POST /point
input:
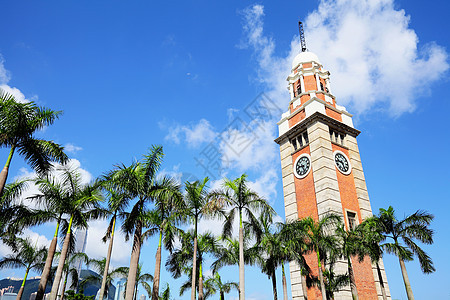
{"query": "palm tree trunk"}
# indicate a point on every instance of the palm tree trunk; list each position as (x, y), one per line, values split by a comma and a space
(22, 287)
(194, 262)
(352, 279)
(241, 260)
(274, 285)
(200, 283)
(108, 258)
(48, 265)
(380, 277)
(285, 295)
(155, 291)
(409, 291)
(322, 283)
(134, 261)
(4, 172)
(64, 286)
(62, 259)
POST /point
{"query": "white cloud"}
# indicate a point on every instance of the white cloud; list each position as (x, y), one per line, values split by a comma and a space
(4, 74)
(24, 173)
(192, 134)
(18, 95)
(71, 148)
(372, 54)
(272, 70)
(95, 248)
(175, 173)
(249, 146)
(5, 77)
(264, 186)
(36, 240)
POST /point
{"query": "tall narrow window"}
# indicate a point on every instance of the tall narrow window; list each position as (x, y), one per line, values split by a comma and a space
(321, 87)
(300, 141)
(305, 137)
(294, 143)
(351, 217)
(299, 88)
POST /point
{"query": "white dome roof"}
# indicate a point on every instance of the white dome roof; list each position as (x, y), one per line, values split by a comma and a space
(304, 57)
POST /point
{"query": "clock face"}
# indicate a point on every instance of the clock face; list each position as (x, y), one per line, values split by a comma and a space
(342, 162)
(302, 166)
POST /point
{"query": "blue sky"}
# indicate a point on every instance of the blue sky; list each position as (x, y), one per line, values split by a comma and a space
(131, 74)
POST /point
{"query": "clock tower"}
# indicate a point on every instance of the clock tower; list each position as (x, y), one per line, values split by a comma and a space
(322, 171)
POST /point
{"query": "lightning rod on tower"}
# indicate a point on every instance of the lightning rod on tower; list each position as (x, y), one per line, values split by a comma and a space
(302, 36)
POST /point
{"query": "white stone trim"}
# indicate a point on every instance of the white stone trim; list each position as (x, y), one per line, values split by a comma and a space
(348, 160)
(313, 106)
(295, 164)
(347, 120)
(283, 127)
(317, 82)
(296, 103)
(302, 84)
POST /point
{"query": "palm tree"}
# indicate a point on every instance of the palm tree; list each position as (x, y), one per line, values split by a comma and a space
(334, 282)
(25, 256)
(321, 242)
(99, 265)
(195, 203)
(165, 294)
(140, 181)
(238, 198)
(118, 200)
(294, 248)
(349, 244)
(369, 245)
(69, 270)
(163, 221)
(228, 253)
(214, 284)
(80, 207)
(52, 198)
(413, 227)
(181, 260)
(269, 251)
(141, 279)
(13, 216)
(18, 123)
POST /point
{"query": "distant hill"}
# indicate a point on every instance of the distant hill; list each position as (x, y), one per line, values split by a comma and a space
(31, 286)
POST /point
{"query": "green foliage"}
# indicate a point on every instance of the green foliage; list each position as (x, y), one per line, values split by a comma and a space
(25, 255)
(71, 295)
(18, 124)
(14, 215)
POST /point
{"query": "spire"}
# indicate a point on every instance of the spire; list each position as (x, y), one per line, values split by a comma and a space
(302, 36)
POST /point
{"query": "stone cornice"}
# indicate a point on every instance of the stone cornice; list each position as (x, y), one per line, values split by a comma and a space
(315, 92)
(317, 116)
(308, 71)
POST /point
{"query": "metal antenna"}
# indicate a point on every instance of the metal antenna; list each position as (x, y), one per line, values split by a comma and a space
(302, 36)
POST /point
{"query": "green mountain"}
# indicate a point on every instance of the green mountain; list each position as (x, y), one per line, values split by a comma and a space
(31, 286)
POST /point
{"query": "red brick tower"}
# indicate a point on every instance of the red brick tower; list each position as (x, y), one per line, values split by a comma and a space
(321, 169)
